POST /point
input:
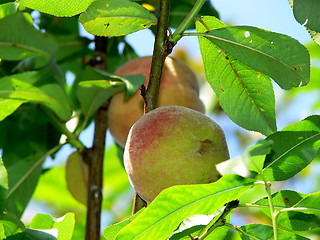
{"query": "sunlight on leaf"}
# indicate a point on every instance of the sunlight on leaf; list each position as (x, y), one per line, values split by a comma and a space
(60, 8)
(175, 204)
(63, 226)
(245, 95)
(279, 56)
(294, 148)
(3, 186)
(8, 9)
(116, 18)
(20, 87)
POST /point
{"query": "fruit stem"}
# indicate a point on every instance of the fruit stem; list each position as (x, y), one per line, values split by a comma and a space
(160, 52)
(177, 35)
(138, 204)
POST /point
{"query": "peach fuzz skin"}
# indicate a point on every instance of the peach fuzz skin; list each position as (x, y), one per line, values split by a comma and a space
(179, 86)
(173, 145)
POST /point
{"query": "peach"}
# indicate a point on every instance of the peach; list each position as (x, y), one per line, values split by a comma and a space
(77, 177)
(173, 145)
(179, 86)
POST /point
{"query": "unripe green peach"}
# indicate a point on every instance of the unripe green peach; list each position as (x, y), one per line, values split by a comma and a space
(173, 145)
(179, 86)
(77, 177)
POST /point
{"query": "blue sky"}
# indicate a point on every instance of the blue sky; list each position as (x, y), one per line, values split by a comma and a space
(272, 15)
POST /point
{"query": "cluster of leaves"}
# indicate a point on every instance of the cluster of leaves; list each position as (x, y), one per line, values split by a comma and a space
(279, 157)
(36, 103)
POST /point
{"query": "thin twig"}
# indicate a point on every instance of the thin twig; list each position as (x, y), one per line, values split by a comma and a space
(221, 221)
(241, 231)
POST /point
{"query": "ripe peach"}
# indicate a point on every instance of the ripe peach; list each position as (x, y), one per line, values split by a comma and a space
(179, 86)
(173, 145)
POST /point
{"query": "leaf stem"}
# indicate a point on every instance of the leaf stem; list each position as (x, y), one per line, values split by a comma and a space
(176, 36)
(32, 168)
(273, 212)
(71, 138)
(240, 230)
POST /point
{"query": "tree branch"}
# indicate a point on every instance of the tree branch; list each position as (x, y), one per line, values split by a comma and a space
(95, 155)
(161, 50)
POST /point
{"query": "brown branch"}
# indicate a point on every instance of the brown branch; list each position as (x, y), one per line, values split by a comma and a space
(162, 48)
(95, 155)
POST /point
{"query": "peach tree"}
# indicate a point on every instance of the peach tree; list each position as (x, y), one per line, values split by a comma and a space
(58, 61)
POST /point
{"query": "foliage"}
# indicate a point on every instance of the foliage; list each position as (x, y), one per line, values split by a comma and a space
(43, 113)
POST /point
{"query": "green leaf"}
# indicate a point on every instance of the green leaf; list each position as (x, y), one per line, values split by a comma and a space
(23, 178)
(3, 186)
(20, 40)
(312, 203)
(132, 82)
(20, 88)
(217, 234)
(33, 234)
(279, 56)
(91, 98)
(8, 9)
(59, 8)
(99, 86)
(7, 229)
(307, 14)
(8, 106)
(111, 232)
(245, 95)
(293, 149)
(249, 164)
(116, 18)
(25, 137)
(292, 220)
(64, 225)
(175, 204)
(315, 36)
(10, 225)
(263, 232)
(97, 83)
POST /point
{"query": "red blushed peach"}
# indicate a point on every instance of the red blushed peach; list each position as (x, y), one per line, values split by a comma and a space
(173, 145)
(179, 86)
